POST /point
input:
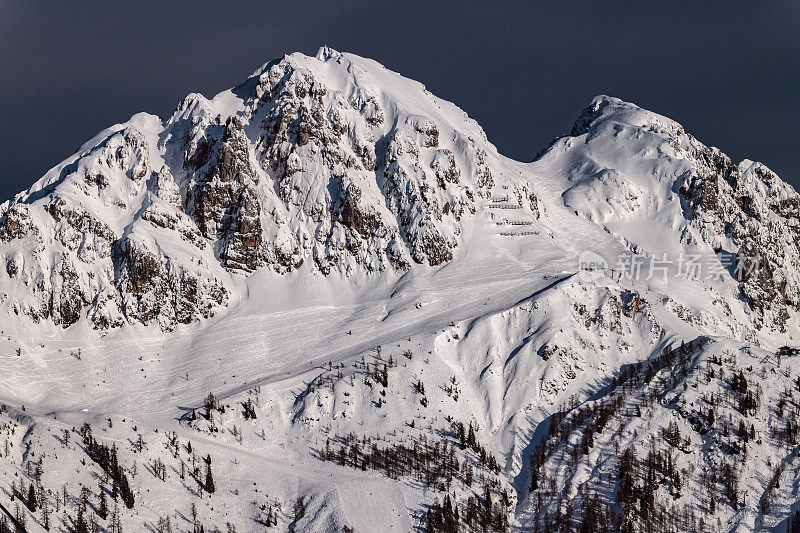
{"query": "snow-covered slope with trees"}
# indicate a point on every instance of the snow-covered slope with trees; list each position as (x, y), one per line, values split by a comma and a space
(323, 301)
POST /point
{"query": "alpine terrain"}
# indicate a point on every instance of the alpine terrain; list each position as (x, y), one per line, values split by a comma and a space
(323, 301)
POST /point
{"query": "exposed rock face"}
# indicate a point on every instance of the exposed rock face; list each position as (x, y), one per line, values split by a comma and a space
(223, 200)
(69, 244)
(15, 223)
(357, 216)
(154, 289)
(335, 164)
(741, 211)
(166, 188)
(751, 207)
(330, 162)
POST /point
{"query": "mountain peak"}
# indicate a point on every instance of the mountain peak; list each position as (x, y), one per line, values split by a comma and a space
(324, 53)
(603, 109)
(345, 168)
(329, 166)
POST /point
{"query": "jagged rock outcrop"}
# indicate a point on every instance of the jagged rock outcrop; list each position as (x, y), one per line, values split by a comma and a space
(743, 212)
(223, 200)
(153, 288)
(751, 206)
(331, 162)
(335, 164)
(69, 243)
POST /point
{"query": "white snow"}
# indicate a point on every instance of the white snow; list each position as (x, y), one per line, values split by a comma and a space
(509, 316)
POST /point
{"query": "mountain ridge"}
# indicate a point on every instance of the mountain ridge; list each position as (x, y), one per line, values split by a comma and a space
(380, 213)
(241, 242)
(331, 280)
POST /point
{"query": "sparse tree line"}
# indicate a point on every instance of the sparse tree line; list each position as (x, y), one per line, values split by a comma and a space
(435, 463)
(479, 513)
(723, 416)
(571, 434)
(107, 459)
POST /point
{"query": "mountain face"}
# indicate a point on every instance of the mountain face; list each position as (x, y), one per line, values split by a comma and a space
(744, 209)
(330, 281)
(308, 161)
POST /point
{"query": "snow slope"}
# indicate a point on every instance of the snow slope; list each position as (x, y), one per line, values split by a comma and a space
(346, 263)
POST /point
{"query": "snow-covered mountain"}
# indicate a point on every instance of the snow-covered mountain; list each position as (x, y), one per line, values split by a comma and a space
(328, 287)
(331, 161)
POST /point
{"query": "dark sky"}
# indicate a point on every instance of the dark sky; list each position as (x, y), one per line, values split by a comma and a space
(728, 71)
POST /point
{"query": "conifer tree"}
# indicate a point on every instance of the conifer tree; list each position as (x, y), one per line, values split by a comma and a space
(102, 508)
(486, 517)
(794, 523)
(19, 516)
(471, 441)
(31, 501)
(80, 524)
(115, 525)
(45, 509)
(210, 488)
(125, 491)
